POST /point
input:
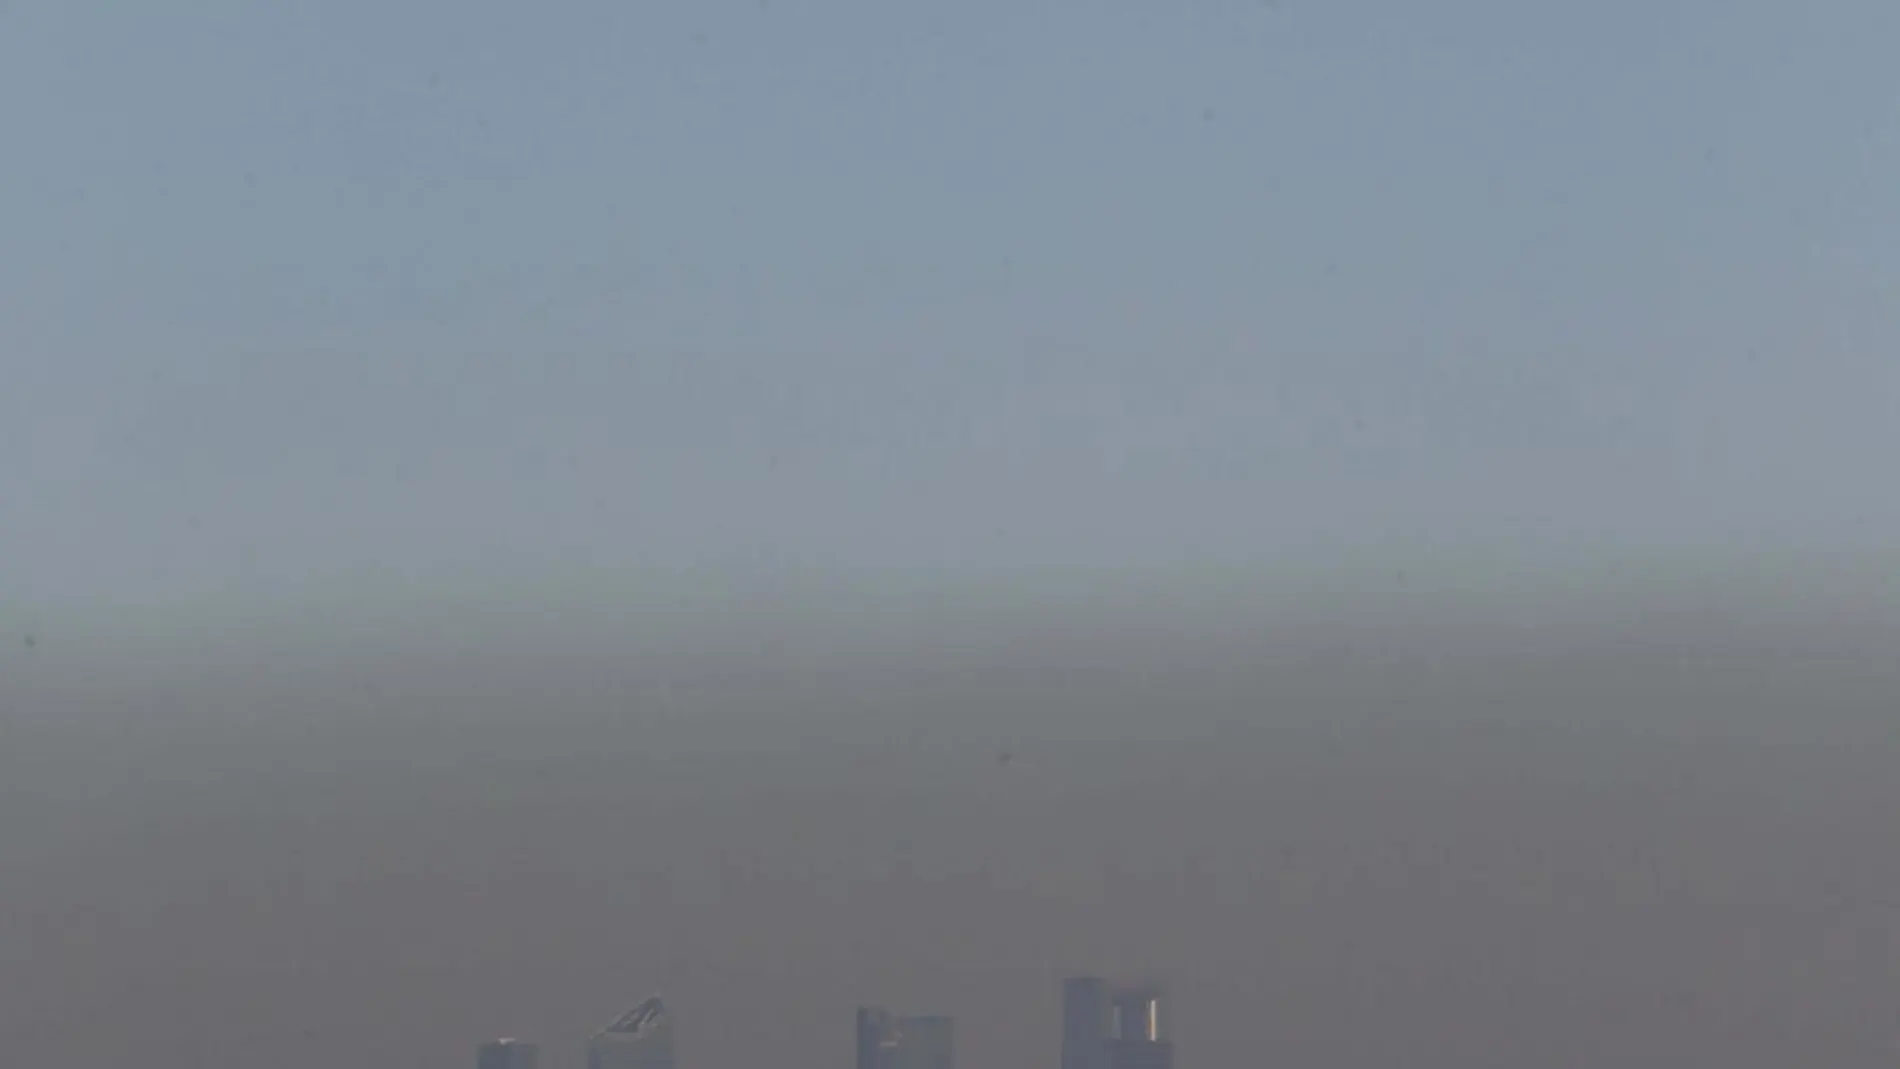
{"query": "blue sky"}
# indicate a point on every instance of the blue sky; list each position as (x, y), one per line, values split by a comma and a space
(300, 294)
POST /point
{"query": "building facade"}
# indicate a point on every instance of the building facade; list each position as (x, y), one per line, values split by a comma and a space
(1110, 1026)
(507, 1054)
(888, 1041)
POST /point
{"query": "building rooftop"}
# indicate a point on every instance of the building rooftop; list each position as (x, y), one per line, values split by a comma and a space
(639, 1019)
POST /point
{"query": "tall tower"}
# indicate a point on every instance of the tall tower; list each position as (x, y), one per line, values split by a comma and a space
(873, 1026)
(929, 1042)
(506, 1054)
(891, 1042)
(1087, 1023)
(641, 1038)
(1105, 1026)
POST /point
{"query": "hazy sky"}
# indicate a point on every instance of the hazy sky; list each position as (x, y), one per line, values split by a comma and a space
(297, 293)
(522, 504)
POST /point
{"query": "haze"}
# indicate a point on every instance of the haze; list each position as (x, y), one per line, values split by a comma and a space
(1374, 512)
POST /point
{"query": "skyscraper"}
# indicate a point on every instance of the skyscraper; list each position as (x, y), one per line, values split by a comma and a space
(1110, 1027)
(890, 1042)
(506, 1054)
(1086, 1023)
(641, 1038)
(877, 1041)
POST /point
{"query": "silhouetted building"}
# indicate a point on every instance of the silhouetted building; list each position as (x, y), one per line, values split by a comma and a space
(1110, 1027)
(506, 1054)
(877, 1039)
(641, 1038)
(891, 1042)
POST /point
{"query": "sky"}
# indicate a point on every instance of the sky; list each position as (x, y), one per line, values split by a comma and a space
(305, 293)
(510, 506)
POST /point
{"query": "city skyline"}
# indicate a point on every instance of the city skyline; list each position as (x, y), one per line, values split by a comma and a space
(1129, 1023)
